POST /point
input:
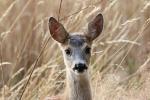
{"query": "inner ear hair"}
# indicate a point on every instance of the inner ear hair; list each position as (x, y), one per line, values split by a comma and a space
(95, 27)
(57, 30)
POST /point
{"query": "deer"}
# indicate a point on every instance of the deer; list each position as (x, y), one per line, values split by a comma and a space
(76, 50)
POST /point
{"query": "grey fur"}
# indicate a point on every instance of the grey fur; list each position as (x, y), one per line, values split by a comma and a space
(78, 84)
(76, 40)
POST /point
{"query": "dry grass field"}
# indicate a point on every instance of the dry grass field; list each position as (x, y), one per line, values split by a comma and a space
(120, 64)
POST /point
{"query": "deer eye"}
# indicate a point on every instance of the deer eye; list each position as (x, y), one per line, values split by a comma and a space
(87, 50)
(68, 51)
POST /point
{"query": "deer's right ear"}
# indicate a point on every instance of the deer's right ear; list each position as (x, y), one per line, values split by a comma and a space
(57, 30)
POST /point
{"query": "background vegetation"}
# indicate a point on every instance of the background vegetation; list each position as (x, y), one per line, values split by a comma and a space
(121, 55)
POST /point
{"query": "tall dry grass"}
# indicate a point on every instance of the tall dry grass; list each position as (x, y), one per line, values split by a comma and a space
(121, 55)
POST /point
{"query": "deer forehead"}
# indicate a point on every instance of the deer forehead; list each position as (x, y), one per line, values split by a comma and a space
(77, 41)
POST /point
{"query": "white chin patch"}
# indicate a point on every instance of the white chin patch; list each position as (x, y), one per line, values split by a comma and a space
(80, 73)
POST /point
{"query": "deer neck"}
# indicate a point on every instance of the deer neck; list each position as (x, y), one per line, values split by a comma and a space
(78, 87)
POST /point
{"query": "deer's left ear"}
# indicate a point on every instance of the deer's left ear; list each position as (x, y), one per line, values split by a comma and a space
(95, 27)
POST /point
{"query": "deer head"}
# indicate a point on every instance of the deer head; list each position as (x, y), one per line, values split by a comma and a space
(76, 48)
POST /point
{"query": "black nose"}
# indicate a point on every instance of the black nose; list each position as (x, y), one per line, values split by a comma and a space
(80, 67)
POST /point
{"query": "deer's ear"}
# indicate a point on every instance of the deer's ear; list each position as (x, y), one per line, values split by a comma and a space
(57, 30)
(95, 27)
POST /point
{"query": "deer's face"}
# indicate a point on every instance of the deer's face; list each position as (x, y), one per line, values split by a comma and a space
(76, 48)
(77, 52)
